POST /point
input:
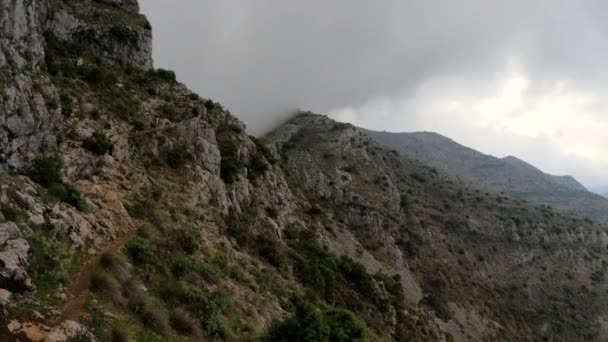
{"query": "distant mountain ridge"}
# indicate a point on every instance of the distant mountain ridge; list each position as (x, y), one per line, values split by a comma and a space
(510, 175)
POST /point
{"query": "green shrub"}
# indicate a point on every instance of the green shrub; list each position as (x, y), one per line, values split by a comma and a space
(123, 34)
(51, 260)
(46, 170)
(99, 76)
(69, 194)
(210, 313)
(257, 166)
(177, 156)
(344, 326)
(66, 104)
(153, 315)
(181, 266)
(141, 251)
(190, 240)
(269, 248)
(183, 293)
(117, 265)
(98, 143)
(163, 74)
(209, 105)
(120, 334)
(215, 328)
(147, 231)
(311, 323)
(105, 284)
(181, 321)
(263, 149)
(272, 212)
(230, 164)
(143, 208)
(208, 272)
(11, 213)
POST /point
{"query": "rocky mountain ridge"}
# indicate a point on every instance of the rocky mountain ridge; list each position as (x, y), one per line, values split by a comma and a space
(115, 228)
(510, 175)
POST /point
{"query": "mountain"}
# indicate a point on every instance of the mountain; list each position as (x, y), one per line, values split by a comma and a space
(508, 175)
(116, 226)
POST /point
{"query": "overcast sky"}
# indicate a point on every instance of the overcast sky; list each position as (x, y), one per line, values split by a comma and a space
(518, 77)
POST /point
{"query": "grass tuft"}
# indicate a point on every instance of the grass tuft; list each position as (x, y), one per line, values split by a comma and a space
(182, 322)
(117, 265)
(105, 284)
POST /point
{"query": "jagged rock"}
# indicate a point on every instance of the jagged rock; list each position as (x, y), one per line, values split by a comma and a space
(68, 331)
(5, 297)
(28, 332)
(14, 254)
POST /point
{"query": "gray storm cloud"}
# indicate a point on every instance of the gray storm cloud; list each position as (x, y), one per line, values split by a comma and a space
(262, 58)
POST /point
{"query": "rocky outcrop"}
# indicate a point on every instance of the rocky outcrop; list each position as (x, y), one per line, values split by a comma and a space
(67, 331)
(27, 121)
(127, 43)
(14, 254)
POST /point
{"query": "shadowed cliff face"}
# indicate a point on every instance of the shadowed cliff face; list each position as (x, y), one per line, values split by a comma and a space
(151, 214)
(510, 175)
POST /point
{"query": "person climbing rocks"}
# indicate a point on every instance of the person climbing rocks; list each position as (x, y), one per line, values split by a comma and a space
(157, 121)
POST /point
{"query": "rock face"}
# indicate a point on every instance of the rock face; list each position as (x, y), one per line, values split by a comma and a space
(130, 45)
(510, 175)
(30, 106)
(26, 121)
(14, 254)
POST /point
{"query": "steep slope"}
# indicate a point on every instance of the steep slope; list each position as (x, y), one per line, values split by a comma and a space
(510, 175)
(490, 267)
(191, 230)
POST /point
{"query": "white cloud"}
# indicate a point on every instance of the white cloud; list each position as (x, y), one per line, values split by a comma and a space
(553, 125)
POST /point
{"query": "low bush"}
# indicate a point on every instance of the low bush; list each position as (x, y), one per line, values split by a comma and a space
(184, 293)
(143, 208)
(230, 164)
(177, 156)
(190, 240)
(181, 266)
(152, 314)
(269, 248)
(120, 334)
(141, 251)
(311, 323)
(106, 285)
(66, 104)
(51, 260)
(98, 143)
(123, 34)
(46, 171)
(163, 74)
(69, 194)
(272, 212)
(117, 265)
(181, 321)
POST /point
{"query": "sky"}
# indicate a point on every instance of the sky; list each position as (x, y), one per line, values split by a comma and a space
(519, 77)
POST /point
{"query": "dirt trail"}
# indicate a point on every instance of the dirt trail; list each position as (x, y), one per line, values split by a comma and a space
(79, 289)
